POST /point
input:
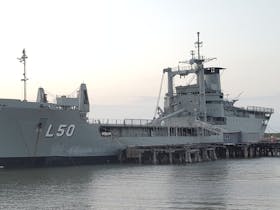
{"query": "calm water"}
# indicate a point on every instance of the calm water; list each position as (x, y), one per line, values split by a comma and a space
(223, 184)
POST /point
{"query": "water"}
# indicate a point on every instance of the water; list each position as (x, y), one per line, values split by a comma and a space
(223, 184)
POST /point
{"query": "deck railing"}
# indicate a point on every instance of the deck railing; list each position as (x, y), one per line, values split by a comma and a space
(121, 122)
(260, 109)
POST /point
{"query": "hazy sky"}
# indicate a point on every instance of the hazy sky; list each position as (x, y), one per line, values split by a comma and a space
(119, 48)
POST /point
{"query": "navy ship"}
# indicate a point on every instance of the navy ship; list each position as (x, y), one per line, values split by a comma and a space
(41, 133)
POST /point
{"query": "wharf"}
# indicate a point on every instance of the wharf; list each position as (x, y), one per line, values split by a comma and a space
(191, 153)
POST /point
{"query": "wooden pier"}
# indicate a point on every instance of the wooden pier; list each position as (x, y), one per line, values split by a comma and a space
(192, 153)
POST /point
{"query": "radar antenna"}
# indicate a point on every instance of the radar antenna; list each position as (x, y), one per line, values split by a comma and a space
(22, 59)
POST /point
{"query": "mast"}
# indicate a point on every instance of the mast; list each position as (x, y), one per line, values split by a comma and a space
(198, 44)
(22, 59)
(200, 69)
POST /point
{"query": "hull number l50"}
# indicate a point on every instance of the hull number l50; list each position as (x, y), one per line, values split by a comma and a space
(62, 130)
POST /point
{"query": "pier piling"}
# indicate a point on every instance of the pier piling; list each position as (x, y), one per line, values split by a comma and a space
(245, 149)
(205, 154)
(191, 153)
(251, 152)
(170, 157)
(188, 157)
(227, 153)
(140, 158)
(154, 157)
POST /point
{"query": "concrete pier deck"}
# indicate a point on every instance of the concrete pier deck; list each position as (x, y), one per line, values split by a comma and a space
(191, 153)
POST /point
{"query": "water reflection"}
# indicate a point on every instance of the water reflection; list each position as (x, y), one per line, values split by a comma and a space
(199, 185)
(237, 184)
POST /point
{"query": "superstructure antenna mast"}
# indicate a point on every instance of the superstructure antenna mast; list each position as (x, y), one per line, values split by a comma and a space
(201, 80)
(192, 54)
(22, 59)
(198, 45)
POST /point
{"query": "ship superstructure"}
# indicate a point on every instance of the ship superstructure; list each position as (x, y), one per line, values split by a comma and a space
(43, 133)
(203, 102)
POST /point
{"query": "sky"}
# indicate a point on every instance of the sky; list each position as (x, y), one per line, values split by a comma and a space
(119, 48)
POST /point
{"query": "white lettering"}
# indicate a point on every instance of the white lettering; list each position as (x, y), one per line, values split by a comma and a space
(48, 134)
(62, 130)
(70, 130)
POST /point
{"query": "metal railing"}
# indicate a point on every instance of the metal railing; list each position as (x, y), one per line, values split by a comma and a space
(260, 109)
(136, 122)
